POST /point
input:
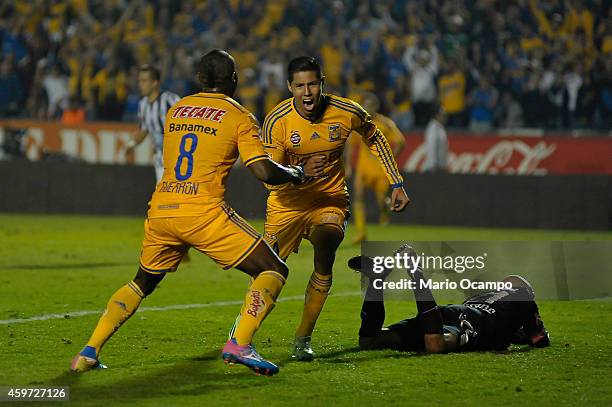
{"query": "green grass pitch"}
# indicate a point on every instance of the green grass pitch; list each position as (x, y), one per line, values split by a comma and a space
(63, 264)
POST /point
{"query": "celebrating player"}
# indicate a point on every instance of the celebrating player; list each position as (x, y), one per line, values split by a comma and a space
(368, 174)
(152, 110)
(204, 135)
(314, 124)
(489, 321)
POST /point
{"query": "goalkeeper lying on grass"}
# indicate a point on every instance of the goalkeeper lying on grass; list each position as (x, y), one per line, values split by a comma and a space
(489, 321)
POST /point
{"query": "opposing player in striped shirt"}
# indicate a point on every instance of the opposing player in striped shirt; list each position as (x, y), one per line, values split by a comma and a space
(152, 110)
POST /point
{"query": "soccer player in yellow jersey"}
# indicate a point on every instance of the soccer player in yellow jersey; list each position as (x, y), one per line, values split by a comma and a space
(314, 124)
(368, 173)
(205, 133)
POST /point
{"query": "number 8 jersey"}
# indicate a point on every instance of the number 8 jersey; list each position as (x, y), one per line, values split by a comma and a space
(203, 137)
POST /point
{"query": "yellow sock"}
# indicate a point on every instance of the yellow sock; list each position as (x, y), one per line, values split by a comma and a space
(360, 218)
(232, 331)
(119, 308)
(259, 301)
(316, 294)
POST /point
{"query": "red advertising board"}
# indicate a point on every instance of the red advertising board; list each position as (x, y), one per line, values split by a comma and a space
(516, 155)
(492, 154)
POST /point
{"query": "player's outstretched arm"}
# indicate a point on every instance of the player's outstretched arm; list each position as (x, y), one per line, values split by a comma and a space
(380, 148)
(273, 173)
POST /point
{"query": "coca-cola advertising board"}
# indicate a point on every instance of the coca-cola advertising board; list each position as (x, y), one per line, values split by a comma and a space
(515, 155)
(468, 154)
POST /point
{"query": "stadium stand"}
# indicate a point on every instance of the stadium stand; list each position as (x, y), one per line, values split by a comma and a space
(490, 63)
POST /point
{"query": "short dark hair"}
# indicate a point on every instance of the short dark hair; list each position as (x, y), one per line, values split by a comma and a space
(215, 68)
(153, 71)
(303, 64)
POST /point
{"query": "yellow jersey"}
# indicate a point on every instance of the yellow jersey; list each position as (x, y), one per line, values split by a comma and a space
(366, 161)
(203, 137)
(289, 138)
(452, 92)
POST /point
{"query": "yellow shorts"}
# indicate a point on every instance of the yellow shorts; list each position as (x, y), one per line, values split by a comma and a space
(221, 234)
(375, 180)
(284, 229)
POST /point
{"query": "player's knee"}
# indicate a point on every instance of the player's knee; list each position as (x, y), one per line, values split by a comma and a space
(281, 268)
(326, 236)
(263, 258)
(271, 263)
(325, 240)
(147, 281)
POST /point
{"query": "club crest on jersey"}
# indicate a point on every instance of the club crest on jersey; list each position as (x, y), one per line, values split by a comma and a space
(295, 138)
(315, 136)
(334, 132)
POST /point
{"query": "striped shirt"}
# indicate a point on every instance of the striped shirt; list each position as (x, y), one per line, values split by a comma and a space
(152, 116)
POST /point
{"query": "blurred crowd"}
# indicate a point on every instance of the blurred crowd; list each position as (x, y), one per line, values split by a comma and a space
(489, 63)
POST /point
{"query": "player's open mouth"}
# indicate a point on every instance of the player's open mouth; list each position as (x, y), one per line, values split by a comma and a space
(308, 104)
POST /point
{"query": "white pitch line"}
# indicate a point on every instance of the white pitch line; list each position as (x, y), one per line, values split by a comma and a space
(73, 314)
